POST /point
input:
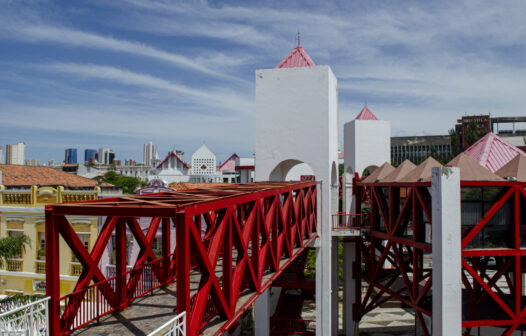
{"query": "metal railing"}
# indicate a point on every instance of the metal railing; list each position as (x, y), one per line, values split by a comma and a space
(174, 327)
(345, 221)
(100, 299)
(28, 320)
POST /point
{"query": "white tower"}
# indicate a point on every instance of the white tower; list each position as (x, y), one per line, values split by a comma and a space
(367, 144)
(297, 134)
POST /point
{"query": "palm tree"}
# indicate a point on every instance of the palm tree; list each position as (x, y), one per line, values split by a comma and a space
(10, 247)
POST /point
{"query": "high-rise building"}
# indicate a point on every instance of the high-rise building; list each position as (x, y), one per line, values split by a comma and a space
(106, 156)
(149, 153)
(71, 155)
(1, 154)
(15, 154)
(32, 162)
(89, 154)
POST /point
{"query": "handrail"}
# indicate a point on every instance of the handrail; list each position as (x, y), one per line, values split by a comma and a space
(174, 322)
(24, 307)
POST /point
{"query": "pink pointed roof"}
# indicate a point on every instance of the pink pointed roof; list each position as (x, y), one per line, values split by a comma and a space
(380, 173)
(515, 168)
(492, 152)
(471, 170)
(421, 173)
(366, 114)
(297, 58)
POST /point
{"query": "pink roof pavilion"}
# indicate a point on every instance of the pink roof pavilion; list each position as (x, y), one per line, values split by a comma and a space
(492, 152)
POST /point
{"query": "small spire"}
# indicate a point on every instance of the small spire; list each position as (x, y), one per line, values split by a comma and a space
(299, 37)
(365, 102)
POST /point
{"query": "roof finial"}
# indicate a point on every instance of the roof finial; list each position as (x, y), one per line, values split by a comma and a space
(365, 103)
(299, 37)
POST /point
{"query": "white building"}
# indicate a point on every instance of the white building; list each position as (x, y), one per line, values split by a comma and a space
(15, 154)
(149, 153)
(105, 155)
(1, 154)
(171, 169)
(204, 166)
(237, 170)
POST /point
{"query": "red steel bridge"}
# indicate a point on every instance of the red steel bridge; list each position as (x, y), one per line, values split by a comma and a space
(231, 243)
(396, 252)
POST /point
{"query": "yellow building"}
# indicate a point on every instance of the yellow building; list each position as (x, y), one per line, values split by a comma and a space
(22, 212)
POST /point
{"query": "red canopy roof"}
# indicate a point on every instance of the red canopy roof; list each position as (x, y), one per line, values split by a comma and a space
(366, 114)
(297, 58)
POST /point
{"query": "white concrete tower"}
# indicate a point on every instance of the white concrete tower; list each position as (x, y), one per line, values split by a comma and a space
(297, 134)
(367, 144)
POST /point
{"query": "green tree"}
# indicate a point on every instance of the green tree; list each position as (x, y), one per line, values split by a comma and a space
(456, 146)
(10, 247)
(474, 133)
(128, 184)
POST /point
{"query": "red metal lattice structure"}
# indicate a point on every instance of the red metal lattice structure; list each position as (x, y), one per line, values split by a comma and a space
(395, 250)
(254, 229)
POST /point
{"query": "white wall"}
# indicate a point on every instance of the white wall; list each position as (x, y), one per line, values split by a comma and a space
(297, 119)
(366, 143)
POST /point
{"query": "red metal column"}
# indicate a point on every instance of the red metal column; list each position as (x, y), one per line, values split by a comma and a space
(166, 250)
(227, 261)
(52, 273)
(120, 242)
(183, 263)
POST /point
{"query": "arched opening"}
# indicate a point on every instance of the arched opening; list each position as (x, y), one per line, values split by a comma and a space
(290, 170)
(369, 170)
(347, 190)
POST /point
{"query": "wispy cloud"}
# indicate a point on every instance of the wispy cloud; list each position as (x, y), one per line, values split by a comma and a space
(210, 97)
(76, 38)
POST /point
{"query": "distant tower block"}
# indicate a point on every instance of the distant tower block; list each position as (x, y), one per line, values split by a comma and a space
(367, 144)
(297, 134)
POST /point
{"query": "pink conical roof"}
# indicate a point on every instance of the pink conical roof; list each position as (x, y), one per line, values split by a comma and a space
(297, 58)
(515, 168)
(422, 172)
(379, 173)
(471, 170)
(492, 152)
(366, 114)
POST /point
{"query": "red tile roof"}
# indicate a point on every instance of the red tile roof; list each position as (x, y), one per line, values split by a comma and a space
(297, 58)
(492, 152)
(19, 175)
(366, 114)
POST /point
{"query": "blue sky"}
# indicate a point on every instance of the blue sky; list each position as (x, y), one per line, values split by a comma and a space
(89, 74)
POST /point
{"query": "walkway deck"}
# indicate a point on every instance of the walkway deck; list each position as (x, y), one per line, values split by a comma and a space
(149, 312)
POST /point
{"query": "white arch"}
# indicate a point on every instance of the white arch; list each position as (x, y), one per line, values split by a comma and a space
(290, 170)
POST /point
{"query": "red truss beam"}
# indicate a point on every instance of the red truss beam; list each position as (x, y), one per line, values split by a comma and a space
(225, 237)
(395, 244)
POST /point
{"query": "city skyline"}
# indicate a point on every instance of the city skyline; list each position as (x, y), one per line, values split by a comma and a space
(101, 74)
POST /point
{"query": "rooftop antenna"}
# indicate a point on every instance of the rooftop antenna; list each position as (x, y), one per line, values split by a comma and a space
(299, 37)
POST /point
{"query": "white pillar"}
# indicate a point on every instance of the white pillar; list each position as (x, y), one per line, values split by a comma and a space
(335, 287)
(447, 286)
(262, 314)
(349, 287)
